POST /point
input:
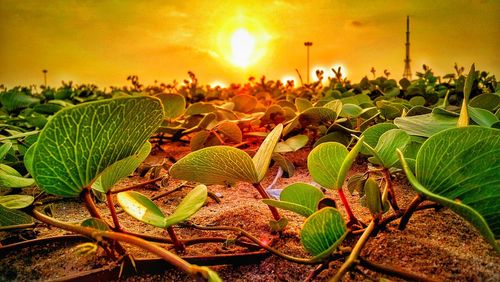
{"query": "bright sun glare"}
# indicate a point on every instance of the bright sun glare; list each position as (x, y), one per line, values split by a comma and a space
(242, 48)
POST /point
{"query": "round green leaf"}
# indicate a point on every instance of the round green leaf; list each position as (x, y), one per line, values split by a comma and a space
(141, 208)
(244, 103)
(417, 101)
(300, 198)
(385, 152)
(460, 168)
(216, 165)
(193, 201)
(336, 136)
(173, 104)
(16, 201)
(230, 130)
(351, 110)
(322, 232)
(488, 102)
(80, 142)
(373, 133)
(302, 104)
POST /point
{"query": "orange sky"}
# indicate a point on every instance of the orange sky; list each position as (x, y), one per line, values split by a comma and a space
(103, 42)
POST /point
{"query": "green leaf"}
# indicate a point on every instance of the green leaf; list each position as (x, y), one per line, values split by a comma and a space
(322, 232)
(4, 149)
(200, 108)
(426, 125)
(417, 101)
(80, 142)
(262, 158)
(95, 223)
(300, 198)
(285, 164)
(173, 104)
(373, 133)
(230, 130)
(373, 197)
(11, 178)
(193, 201)
(292, 144)
(336, 136)
(141, 208)
(122, 168)
(13, 217)
(244, 103)
(482, 117)
(329, 163)
(216, 165)
(463, 120)
(488, 102)
(198, 140)
(278, 225)
(302, 104)
(16, 201)
(459, 168)
(351, 110)
(13, 100)
(391, 140)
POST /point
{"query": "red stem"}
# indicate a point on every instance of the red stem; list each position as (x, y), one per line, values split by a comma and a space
(392, 200)
(350, 214)
(177, 243)
(264, 195)
(112, 210)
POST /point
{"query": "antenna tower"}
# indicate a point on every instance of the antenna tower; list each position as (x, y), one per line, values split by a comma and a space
(407, 71)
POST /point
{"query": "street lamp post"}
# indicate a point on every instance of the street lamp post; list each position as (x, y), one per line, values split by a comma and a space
(45, 77)
(308, 44)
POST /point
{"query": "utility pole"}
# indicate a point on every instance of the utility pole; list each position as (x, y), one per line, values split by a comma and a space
(308, 44)
(407, 71)
(45, 77)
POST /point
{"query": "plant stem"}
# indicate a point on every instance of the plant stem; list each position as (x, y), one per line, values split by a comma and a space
(98, 235)
(410, 210)
(123, 189)
(394, 271)
(112, 210)
(388, 183)
(177, 243)
(355, 252)
(166, 193)
(264, 195)
(350, 214)
(89, 203)
(258, 242)
(18, 226)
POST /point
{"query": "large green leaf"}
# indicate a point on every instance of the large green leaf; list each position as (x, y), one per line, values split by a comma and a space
(329, 162)
(173, 104)
(141, 208)
(16, 201)
(322, 232)
(80, 142)
(373, 133)
(385, 152)
(193, 201)
(11, 178)
(121, 169)
(216, 165)
(13, 217)
(262, 158)
(482, 117)
(460, 168)
(426, 125)
(300, 198)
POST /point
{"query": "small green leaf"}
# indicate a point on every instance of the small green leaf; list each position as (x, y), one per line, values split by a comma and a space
(391, 140)
(351, 110)
(173, 104)
(4, 149)
(292, 144)
(244, 103)
(336, 136)
(278, 225)
(285, 164)
(216, 165)
(141, 208)
(95, 223)
(322, 232)
(300, 198)
(193, 201)
(373, 197)
(230, 130)
(373, 133)
(262, 158)
(302, 104)
(10, 217)
(11, 178)
(200, 108)
(16, 201)
(459, 168)
(198, 140)
(122, 168)
(482, 117)
(490, 102)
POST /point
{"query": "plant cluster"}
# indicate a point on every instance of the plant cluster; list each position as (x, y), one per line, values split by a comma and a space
(78, 142)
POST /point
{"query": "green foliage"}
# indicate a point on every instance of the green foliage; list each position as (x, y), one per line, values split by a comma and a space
(300, 198)
(95, 223)
(384, 153)
(292, 144)
(329, 163)
(174, 105)
(463, 120)
(143, 209)
(459, 168)
(11, 178)
(323, 232)
(16, 201)
(227, 165)
(372, 135)
(10, 217)
(80, 142)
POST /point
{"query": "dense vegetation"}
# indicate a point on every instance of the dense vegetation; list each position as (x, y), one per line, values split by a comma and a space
(443, 133)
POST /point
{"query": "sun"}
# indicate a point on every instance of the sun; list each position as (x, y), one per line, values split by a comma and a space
(242, 48)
